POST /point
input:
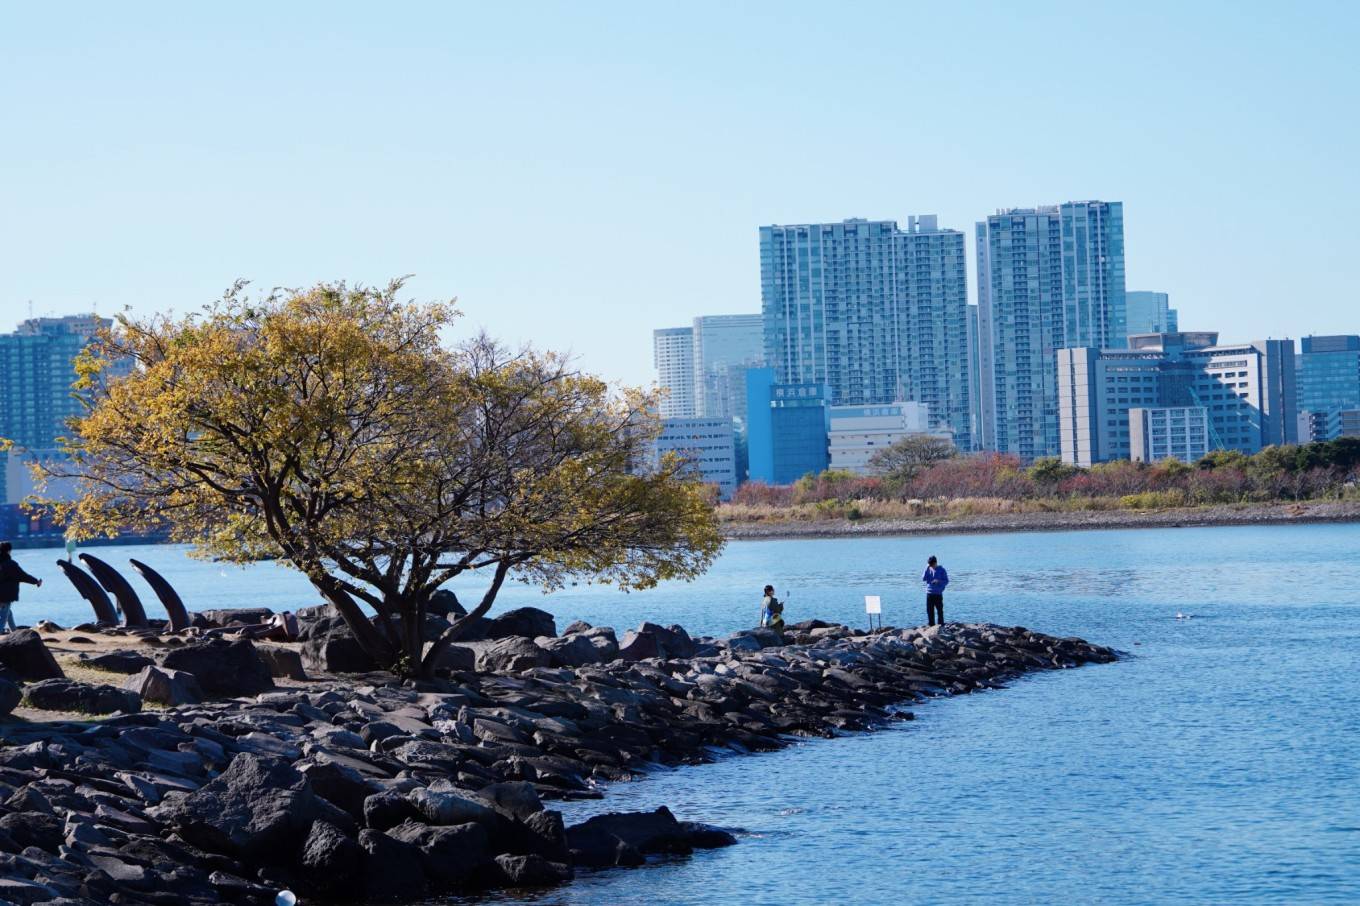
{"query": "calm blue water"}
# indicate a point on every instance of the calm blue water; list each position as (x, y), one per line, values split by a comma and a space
(1217, 764)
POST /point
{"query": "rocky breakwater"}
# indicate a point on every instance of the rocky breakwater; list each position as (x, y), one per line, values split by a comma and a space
(343, 791)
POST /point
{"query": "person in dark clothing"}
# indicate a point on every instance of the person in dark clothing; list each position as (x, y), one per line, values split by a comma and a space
(10, 576)
(936, 578)
(770, 607)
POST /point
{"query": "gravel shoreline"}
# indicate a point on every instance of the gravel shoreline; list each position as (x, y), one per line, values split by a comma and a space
(1247, 514)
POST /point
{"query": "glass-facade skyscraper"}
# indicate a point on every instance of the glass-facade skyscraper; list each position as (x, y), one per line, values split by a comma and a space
(1329, 373)
(1048, 278)
(1147, 312)
(725, 346)
(876, 313)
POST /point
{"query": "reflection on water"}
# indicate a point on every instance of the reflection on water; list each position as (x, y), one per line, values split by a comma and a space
(1218, 764)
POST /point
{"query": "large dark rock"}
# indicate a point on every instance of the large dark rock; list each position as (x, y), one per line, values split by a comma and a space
(10, 696)
(331, 861)
(451, 855)
(387, 809)
(23, 652)
(530, 871)
(651, 640)
(571, 650)
(258, 808)
(282, 662)
(223, 668)
(444, 603)
(528, 622)
(340, 785)
(165, 687)
(329, 646)
(119, 661)
(393, 869)
(511, 655)
(240, 616)
(68, 695)
(607, 839)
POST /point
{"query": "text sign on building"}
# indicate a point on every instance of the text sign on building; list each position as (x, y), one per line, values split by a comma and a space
(873, 604)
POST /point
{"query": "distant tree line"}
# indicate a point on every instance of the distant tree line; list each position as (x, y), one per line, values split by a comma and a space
(925, 469)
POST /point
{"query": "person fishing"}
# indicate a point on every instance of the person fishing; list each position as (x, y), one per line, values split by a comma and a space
(936, 578)
(771, 608)
(11, 575)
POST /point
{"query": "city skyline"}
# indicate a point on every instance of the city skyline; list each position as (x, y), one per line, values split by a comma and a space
(449, 131)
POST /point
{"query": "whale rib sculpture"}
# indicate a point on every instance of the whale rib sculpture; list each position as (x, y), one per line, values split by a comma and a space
(170, 599)
(91, 591)
(134, 615)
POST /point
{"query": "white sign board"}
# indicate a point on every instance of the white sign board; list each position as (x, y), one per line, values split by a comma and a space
(873, 604)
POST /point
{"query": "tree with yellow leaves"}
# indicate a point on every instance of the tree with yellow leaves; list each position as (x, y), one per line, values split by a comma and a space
(331, 429)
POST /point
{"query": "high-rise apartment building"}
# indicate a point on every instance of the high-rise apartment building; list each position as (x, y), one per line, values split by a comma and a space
(37, 368)
(1146, 312)
(1048, 278)
(673, 354)
(1247, 392)
(874, 312)
(725, 346)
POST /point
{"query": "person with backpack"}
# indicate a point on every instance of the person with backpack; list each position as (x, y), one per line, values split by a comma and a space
(936, 579)
(770, 608)
(11, 574)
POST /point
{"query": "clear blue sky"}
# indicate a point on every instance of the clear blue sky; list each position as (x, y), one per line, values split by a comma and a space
(577, 174)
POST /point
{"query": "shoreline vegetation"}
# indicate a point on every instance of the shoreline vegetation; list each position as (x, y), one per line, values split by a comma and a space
(771, 523)
(923, 485)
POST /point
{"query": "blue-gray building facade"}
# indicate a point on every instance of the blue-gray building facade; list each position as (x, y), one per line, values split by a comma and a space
(1048, 278)
(876, 313)
(1149, 312)
(787, 428)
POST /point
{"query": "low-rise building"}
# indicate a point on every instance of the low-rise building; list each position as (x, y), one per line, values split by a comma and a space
(858, 432)
(786, 428)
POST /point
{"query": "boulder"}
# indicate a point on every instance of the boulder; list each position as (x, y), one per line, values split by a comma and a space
(511, 655)
(23, 652)
(257, 808)
(222, 668)
(165, 687)
(393, 869)
(458, 657)
(10, 696)
(449, 808)
(444, 603)
(527, 622)
(651, 640)
(240, 616)
(85, 698)
(387, 809)
(530, 871)
(330, 860)
(451, 855)
(330, 647)
(119, 661)
(638, 646)
(605, 642)
(622, 834)
(570, 650)
(340, 785)
(282, 662)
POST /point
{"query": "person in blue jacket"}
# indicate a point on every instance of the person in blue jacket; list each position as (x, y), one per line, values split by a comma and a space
(936, 578)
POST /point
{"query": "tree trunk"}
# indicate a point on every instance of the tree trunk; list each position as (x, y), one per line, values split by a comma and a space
(463, 624)
(369, 638)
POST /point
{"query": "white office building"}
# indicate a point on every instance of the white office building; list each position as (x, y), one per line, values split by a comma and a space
(1171, 432)
(673, 354)
(858, 432)
(707, 444)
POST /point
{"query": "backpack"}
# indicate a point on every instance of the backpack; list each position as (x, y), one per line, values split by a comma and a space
(776, 606)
